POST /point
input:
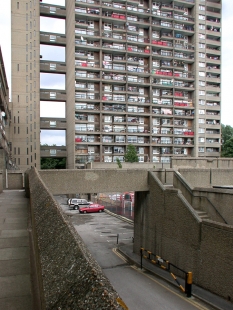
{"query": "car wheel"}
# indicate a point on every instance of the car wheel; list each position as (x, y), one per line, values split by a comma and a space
(84, 211)
(76, 207)
(100, 210)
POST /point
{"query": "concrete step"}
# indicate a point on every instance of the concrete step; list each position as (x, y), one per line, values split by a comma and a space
(202, 214)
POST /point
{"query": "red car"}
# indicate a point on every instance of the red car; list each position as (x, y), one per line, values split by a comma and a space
(95, 207)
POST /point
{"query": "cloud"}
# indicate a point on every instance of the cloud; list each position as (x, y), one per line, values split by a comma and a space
(52, 81)
(55, 53)
(52, 137)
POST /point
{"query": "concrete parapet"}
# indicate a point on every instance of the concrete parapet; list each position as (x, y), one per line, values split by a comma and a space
(167, 225)
(14, 179)
(70, 277)
(95, 181)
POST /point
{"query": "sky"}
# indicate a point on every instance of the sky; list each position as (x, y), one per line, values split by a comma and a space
(59, 53)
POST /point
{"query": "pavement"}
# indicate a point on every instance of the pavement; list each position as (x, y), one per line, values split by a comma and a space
(18, 287)
(209, 298)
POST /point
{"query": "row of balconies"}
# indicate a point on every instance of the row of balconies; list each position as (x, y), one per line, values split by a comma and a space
(111, 89)
(123, 12)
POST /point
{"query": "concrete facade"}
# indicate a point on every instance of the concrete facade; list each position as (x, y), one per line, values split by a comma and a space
(25, 57)
(166, 224)
(95, 181)
(146, 73)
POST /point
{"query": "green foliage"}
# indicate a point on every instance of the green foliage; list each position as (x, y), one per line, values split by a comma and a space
(53, 163)
(131, 154)
(119, 163)
(227, 144)
(227, 151)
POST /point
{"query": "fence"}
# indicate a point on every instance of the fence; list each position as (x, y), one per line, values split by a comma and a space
(166, 265)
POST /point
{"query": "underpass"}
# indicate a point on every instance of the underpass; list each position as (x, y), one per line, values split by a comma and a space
(138, 288)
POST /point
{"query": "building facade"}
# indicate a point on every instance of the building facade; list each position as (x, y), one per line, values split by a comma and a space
(6, 159)
(137, 72)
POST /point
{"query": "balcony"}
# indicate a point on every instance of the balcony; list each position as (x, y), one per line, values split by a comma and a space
(52, 66)
(52, 39)
(87, 64)
(56, 95)
(83, 75)
(52, 11)
(52, 123)
(53, 151)
(90, 44)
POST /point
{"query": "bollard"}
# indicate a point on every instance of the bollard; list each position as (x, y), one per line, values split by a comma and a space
(141, 250)
(188, 284)
(117, 238)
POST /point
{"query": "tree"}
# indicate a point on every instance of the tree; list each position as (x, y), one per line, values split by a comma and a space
(227, 134)
(227, 151)
(53, 163)
(119, 162)
(131, 154)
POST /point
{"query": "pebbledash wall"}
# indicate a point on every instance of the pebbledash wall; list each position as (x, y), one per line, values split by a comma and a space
(69, 276)
(167, 225)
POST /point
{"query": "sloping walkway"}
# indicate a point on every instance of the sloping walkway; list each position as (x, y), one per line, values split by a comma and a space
(15, 270)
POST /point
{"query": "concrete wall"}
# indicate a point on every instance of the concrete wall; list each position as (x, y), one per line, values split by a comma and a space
(222, 199)
(198, 162)
(199, 200)
(126, 165)
(95, 181)
(70, 277)
(14, 180)
(1, 181)
(167, 225)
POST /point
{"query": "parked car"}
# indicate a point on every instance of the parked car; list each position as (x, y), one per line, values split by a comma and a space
(95, 207)
(75, 203)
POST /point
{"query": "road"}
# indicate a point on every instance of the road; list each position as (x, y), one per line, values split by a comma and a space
(138, 289)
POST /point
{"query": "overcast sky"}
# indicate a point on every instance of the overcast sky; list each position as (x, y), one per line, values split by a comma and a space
(227, 53)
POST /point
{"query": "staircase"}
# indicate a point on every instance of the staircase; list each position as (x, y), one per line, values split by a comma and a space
(203, 215)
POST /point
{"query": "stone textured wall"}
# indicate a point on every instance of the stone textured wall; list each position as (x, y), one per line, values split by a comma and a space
(95, 181)
(167, 225)
(199, 162)
(70, 277)
(15, 179)
(126, 165)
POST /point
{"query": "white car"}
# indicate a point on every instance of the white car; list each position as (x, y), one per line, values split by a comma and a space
(75, 203)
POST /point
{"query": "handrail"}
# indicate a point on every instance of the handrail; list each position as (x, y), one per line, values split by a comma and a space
(156, 259)
(190, 190)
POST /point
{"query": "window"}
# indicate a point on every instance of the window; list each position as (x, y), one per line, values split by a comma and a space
(201, 102)
(201, 130)
(201, 36)
(201, 83)
(201, 27)
(201, 92)
(201, 17)
(201, 73)
(201, 121)
(201, 45)
(201, 8)
(202, 55)
(201, 64)
(201, 149)
(201, 111)
(201, 140)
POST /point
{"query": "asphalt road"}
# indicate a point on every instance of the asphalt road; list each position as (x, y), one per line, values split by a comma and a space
(138, 289)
